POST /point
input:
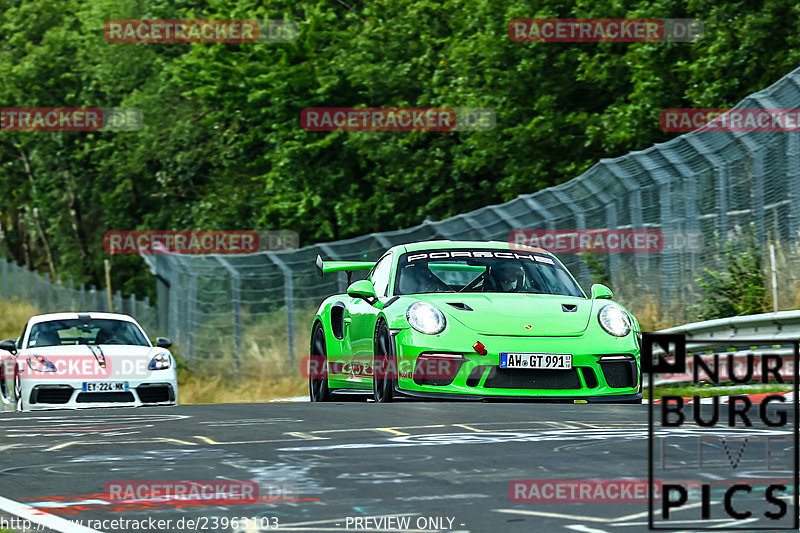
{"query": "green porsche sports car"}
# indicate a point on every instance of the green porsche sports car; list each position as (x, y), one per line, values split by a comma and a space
(471, 320)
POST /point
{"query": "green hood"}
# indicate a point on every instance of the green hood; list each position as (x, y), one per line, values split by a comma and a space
(507, 314)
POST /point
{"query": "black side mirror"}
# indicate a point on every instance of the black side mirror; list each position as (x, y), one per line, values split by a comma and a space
(163, 342)
(9, 345)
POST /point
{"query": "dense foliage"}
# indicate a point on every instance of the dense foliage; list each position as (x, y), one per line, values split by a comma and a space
(735, 284)
(222, 146)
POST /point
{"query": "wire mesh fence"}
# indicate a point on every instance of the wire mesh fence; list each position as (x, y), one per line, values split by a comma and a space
(245, 310)
(710, 184)
(19, 283)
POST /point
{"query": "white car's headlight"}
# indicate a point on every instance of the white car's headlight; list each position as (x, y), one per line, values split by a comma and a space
(160, 361)
(37, 363)
(614, 320)
(425, 318)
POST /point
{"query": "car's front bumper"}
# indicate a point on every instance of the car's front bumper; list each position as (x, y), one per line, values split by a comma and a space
(604, 368)
(51, 394)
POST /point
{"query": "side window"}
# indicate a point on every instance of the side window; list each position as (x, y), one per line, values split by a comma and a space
(380, 275)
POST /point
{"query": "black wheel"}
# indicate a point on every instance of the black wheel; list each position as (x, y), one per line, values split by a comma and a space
(3, 384)
(385, 369)
(17, 391)
(318, 390)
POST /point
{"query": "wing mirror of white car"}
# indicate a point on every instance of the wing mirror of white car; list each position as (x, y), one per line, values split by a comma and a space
(9, 345)
(601, 291)
(163, 342)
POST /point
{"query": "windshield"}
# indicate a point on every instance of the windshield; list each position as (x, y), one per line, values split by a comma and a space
(94, 332)
(482, 271)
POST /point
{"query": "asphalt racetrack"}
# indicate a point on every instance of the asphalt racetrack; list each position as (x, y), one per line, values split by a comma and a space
(438, 466)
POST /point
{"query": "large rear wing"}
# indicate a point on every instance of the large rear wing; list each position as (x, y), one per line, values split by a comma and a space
(341, 266)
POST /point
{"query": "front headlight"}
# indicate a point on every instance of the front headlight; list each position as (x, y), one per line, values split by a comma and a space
(37, 363)
(614, 320)
(160, 361)
(425, 318)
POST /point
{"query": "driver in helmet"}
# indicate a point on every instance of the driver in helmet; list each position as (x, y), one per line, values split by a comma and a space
(509, 277)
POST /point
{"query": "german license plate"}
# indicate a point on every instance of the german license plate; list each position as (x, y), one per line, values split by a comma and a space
(555, 361)
(106, 386)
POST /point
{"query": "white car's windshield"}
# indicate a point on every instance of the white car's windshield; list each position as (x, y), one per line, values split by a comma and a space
(482, 271)
(77, 331)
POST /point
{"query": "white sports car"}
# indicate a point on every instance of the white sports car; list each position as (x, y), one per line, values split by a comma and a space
(78, 360)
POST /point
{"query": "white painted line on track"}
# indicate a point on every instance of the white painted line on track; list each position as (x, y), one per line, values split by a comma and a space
(36, 516)
(553, 515)
(606, 520)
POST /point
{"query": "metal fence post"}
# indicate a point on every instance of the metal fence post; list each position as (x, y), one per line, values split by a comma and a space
(288, 289)
(19, 283)
(237, 307)
(4, 267)
(151, 326)
(580, 224)
(58, 292)
(190, 319)
(757, 170)
(669, 261)
(37, 291)
(70, 305)
(722, 203)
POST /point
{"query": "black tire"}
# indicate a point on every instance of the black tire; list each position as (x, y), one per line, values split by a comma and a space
(17, 392)
(385, 369)
(318, 390)
(4, 392)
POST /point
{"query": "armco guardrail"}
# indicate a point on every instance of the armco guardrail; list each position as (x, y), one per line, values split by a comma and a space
(766, 330)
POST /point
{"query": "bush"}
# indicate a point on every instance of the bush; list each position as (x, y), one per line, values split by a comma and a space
(738, 288)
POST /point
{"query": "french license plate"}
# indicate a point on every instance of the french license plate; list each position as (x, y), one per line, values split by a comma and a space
(106, 386)
(555, 361)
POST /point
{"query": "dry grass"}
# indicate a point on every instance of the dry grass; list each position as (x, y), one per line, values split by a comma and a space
(197, 389)
(788, 278)
(264, 372)
(653, 315)
(15, 315)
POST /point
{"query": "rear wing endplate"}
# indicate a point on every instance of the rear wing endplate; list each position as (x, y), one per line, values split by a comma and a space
(341, 266)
